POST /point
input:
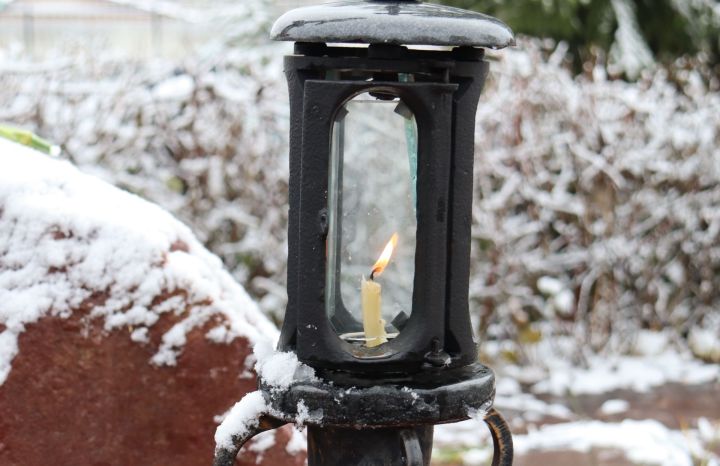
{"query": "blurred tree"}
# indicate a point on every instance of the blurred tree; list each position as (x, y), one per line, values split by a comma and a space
(633, 32)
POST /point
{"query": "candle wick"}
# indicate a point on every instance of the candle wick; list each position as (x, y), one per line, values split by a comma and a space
(372, 274)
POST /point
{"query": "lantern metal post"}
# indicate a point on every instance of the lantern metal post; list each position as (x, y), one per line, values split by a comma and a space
(376, 404)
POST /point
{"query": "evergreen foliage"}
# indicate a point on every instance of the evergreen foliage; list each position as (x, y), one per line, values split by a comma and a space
(668, 28)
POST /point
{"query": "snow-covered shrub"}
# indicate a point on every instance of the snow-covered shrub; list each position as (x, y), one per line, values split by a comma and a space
(607, 191)
(597, 201)
(205, 138)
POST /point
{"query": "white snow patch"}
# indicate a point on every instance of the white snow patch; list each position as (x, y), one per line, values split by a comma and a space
(657, 364)
(220, 335)
(649, 343)
(297, 442)
(531, 408)
(550, 286)
(175, 88)
(278, 369)
(261, 443)
(509, 396)
(477, 456)
(248, 367)
(560, 298)
(219, 418)
(303, 414)
(705, 343)
(242, 418)
(709, 432)
(464, 434)
(67, 238)
(140, 335)
(610, 407)
(645, 442)
(629, 53)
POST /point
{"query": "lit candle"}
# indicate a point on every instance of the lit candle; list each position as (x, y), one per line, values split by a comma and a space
(371, 298)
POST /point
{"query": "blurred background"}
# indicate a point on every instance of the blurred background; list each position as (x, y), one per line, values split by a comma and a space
(595, 287)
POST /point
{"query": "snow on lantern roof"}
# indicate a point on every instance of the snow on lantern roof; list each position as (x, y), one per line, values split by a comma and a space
(67, 238)
(391, 22)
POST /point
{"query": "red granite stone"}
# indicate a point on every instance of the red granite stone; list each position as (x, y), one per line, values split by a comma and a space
(77, 395)
(72, 391)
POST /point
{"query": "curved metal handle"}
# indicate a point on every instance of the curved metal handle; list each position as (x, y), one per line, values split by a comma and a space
(411, 446)
(502, 439)
(226, 456)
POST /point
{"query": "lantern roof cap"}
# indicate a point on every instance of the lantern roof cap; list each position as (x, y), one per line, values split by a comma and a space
(401, 22)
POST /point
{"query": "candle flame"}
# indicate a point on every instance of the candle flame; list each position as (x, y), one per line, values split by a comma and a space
(384, 258)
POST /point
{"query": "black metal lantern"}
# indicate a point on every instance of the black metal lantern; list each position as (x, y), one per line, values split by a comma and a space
(382, 147)
(381, 165)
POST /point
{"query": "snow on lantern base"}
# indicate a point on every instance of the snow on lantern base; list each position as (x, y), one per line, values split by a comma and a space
(121, 338)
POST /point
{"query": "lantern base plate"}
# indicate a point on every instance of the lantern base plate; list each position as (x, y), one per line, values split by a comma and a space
(434, 398)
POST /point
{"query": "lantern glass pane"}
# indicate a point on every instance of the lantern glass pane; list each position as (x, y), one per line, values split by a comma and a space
(371, 211)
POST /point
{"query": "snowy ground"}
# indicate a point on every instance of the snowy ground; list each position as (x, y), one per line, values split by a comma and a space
(655, 407)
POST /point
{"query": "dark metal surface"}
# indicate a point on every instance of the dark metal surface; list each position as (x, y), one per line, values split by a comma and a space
(386, 424)
(335, 446)
(318, 342)
(402, 403)
(391, 22)
(443, 98)
(226, 457)
(502, 439)
(413, 447)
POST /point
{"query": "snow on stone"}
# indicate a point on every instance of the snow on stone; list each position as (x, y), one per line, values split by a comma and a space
(243, 417)
(67, 239)
(297, 442)
(262, 443)
(220, 335)
(140, 335)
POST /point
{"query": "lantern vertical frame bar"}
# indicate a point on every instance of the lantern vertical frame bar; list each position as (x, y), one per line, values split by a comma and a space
(318, 343)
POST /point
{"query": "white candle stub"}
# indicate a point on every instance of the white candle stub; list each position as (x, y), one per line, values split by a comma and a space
(373, 324)
(371, 299)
